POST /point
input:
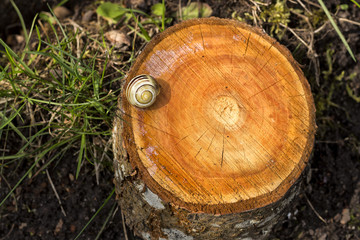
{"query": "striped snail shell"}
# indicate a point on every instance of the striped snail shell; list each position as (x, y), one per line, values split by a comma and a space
(142, 91)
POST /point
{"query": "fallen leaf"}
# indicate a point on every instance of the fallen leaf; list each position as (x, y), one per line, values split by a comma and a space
(22, 225)
(58, 226)
(71, 177)
(61, 12)
(117, 38)
(87, 16)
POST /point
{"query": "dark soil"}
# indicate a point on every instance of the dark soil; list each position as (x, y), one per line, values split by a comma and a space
(34, 212)
(328, 207)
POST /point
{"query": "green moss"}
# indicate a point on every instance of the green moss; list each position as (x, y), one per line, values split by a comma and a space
(276, 14)
(317, 17)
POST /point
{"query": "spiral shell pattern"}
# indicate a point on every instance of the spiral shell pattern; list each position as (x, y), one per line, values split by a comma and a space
(142, 90)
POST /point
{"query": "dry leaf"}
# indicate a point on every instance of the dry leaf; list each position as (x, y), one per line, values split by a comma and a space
(58, 226)
(117, 38)
(61, 12)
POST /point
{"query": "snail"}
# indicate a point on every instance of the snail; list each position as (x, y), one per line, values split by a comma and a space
(142, 91)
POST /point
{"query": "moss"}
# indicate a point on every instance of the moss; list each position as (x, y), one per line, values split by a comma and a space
(276, 14)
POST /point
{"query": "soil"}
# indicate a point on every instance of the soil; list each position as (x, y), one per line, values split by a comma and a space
(328, 206)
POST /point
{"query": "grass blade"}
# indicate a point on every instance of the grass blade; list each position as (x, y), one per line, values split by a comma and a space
(106, 221)
(16, 57)
(163, 16)
(40, 156)
(18, 183)
(142, 29)
(8, 122)
(21, 20)
(95, 214)
(356, 3)
(333, 23)
(58, 22)
(81, 154)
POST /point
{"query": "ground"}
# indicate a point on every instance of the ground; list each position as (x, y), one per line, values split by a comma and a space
(328, 206)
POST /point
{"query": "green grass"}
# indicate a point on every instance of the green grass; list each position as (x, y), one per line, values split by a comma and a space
(356, 3)
(57, 101)
(96, 213)
(333, 23)
(61, 98)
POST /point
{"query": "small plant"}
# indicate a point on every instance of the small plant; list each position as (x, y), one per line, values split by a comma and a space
(195, 10)
(115, 13)
(276, 14)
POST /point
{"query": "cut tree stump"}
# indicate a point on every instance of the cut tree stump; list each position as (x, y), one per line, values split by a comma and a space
(220, 153)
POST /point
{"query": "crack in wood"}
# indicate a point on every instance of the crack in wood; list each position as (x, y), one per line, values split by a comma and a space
(181, 140)
(263, 90)
(263, 67)
(223, 148)
(198, 152)
(247, 43)
(202, 135)
(202, 38)
(211, 142)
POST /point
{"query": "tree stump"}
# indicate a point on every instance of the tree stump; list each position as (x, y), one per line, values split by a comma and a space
(219, 154)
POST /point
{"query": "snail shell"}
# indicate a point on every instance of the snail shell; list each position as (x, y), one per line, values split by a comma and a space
(142, 91)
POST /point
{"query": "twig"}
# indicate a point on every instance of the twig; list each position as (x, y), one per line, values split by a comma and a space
(348, 21)
(311, 52)
(260, 3)
(304, 7)
(321, 28)
(13, 194)
(256, 5)
(56, 194)
(124, 226)
(43, 28)
(254, 17)
(78, 36)
(5, 100)
(295, 34)
(32, 117)
(107, 146)
(312, 3)
(312, 207)
(97, 167)
(180, 12)
(254, 10)
(8, 234)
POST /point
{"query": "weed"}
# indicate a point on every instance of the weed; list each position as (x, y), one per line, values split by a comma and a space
(115, 13)
(195, 10)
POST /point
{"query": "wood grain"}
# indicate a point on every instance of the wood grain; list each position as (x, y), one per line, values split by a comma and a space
(234, 124)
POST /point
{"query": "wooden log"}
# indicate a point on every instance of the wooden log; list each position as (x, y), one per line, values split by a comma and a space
(219, 154)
